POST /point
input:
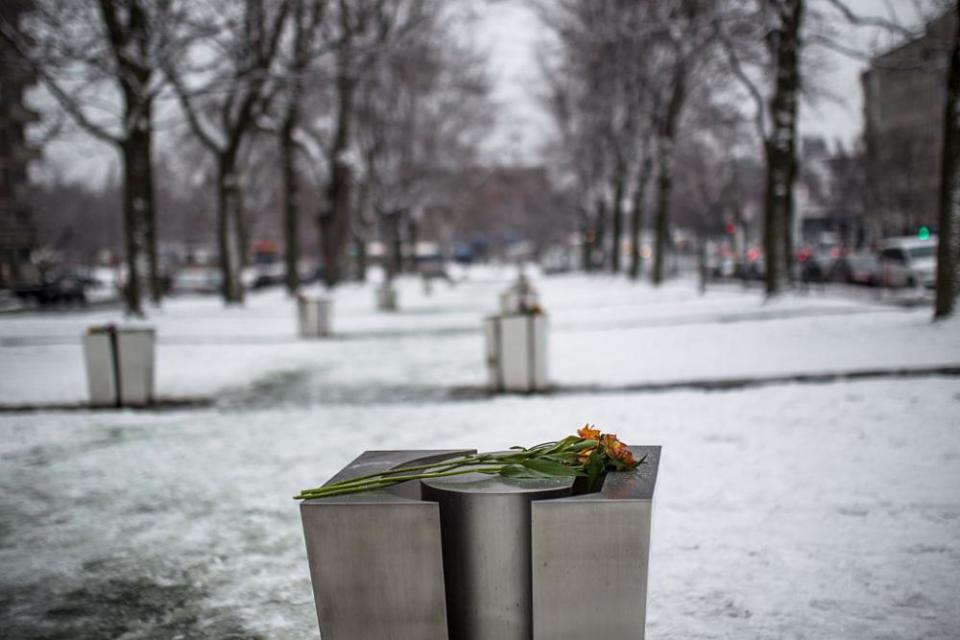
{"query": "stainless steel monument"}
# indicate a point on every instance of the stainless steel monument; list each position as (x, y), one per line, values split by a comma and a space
(476, 557)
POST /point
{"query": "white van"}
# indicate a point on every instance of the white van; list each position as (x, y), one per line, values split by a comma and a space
(908, 262)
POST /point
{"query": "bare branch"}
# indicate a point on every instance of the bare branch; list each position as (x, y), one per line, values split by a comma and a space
(760, 107)
(870, 21)
(63, 98)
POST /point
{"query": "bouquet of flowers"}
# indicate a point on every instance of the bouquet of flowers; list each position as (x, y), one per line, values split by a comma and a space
(530, 309)
(589, 454)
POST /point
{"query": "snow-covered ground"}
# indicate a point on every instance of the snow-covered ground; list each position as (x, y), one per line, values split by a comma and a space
(603, 332)
(799, 511)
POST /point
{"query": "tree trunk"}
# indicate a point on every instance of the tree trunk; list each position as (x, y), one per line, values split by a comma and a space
(334, 235)
(229, 229)
(789, 222)
(412, 238)
(129, 41)
(636, 216)
(360, 245)
(702, 271)
(132, 226)
(666, 142)
(948, 252)
(291, 214)
(781, 147)
(619, 185)
(586, 247)
(772, 230)
(598, 249)
(664, 191)
(243, 236)
(140, 141)
(396, 239)
(303, 36)
(138, 178)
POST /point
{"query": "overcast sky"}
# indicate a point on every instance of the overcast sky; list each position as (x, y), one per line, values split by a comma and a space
(509, 31)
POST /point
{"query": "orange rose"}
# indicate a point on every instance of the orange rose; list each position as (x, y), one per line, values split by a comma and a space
(584, 455)
(588, 432)
(616, 449)
(626, 456)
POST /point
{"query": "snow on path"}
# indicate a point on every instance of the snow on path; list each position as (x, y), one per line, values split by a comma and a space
(603, 332)
(801, 511)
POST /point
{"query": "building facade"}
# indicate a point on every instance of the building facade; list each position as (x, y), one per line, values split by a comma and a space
(904, 99)
(17, 230)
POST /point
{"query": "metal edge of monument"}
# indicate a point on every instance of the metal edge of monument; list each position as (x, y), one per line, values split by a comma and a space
(377, 565)
(375, 558)
(590, 557)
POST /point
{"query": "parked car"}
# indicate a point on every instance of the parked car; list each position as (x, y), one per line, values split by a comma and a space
(721, 267)
(267, 268)
(56, 289)
(814, 267)
(556, 259)
(197, 280)
(908, 262)
(856, 268)
(266, 275)
(752, 267)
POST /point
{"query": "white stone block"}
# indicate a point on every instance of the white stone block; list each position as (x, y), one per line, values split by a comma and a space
(516, 349)
(120, 365)
(386, 298)
(315, 316)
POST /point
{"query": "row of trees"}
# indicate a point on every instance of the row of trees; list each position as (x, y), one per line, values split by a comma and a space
(358, 102)
(651, 94)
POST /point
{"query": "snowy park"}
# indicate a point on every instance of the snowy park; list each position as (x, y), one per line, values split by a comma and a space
(807, 487)
(479, 319)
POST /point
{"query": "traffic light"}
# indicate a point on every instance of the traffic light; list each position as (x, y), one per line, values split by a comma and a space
(924, 233)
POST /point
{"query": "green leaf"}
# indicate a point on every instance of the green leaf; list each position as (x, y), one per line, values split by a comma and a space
(584, 444)
(551, 467)
(566, 443)
(513, 471)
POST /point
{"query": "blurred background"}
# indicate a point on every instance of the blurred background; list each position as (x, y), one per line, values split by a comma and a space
(739, 218)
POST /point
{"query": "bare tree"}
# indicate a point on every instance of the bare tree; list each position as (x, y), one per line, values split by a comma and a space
(948, 252)
(365, 31)
(421, 112)
(768, 36)
(781, 146)
(766, 44)
(306, 20)
(592, 99)
(123, 44)
(642, 181)
(581, 162)
(243, 38)
(623, 75)
(685, 40)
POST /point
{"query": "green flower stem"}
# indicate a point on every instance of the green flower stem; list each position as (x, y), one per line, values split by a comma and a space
(361, 484)
(337, 489)
(360, 479)
(473, 458)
